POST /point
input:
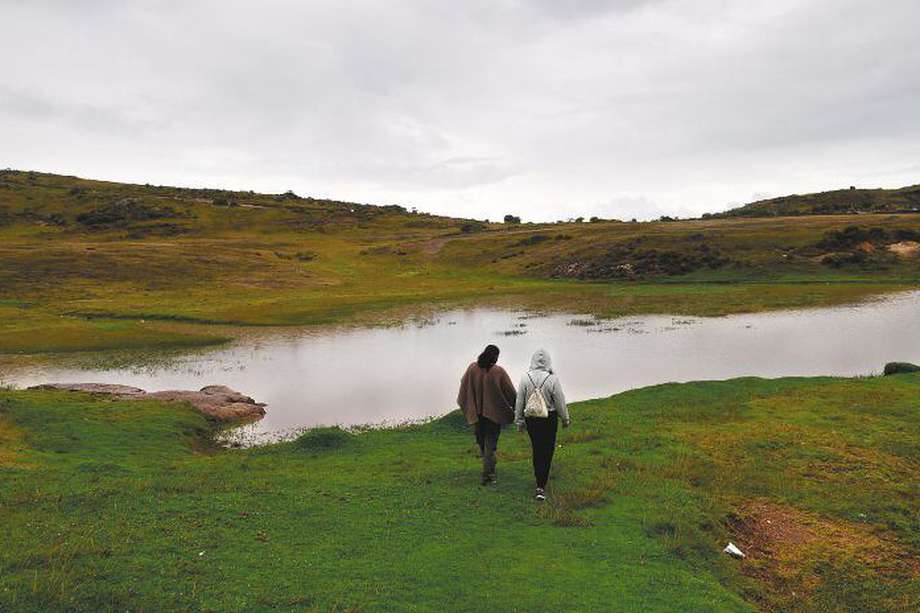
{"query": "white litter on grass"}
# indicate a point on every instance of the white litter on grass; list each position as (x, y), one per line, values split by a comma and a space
(733, 551)
(200, 553)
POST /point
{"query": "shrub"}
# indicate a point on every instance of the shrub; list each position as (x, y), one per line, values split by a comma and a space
(452, 422)
(323, 439)
(839, 260)
(895, 368)
(288, 195)
(851, 236)
(532, 240)
(470, 228)
(902, 234)
(512, 219)
(123, 211)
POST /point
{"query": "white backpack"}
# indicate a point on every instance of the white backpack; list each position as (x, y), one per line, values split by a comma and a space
(536, 403)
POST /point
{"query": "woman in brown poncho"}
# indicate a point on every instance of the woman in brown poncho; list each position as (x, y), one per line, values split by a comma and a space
(487, 400)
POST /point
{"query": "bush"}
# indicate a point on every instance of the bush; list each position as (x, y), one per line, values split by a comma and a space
(512, 219)
(470, 228)
(123, 211)
(323, 439)
(851, 236)
(839, 260)
(533, 240)
(288, 195)
(895, 368)
(452, 422)
(902, 234)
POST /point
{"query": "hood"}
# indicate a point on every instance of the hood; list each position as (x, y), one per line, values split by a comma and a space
(541, 361)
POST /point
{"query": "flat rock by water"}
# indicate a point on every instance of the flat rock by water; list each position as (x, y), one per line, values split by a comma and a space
(216, 401)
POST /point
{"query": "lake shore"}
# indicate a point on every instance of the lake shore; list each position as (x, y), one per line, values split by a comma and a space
(129, 504)
(354, 382)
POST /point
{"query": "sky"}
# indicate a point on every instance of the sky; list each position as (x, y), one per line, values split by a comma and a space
(547, 109)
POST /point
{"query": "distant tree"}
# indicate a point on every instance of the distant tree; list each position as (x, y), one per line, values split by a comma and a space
(579, 219)
(512, 219)
(667, 218)
(595, 219)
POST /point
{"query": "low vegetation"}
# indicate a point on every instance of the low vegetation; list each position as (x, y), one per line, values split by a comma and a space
(109, 504)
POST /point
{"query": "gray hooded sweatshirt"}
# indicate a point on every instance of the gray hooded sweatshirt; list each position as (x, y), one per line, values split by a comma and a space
(541, 367)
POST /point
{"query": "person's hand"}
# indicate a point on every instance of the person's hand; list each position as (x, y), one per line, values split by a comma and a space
(566, 423)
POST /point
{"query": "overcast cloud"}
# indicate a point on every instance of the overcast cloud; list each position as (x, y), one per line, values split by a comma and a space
(544, 108)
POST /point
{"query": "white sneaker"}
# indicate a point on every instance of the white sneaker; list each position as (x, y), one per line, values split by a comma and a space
(540, 495)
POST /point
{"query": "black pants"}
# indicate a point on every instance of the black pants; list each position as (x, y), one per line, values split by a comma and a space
(487, 432)
(542, 431)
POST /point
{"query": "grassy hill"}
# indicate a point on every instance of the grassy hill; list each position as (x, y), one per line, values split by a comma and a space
(97, 265)
(836, 202)
(109, 505)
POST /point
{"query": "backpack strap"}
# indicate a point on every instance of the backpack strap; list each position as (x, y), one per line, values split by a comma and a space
(538, 387)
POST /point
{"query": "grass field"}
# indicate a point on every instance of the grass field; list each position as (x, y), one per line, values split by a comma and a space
(110, 505)
(89, 265)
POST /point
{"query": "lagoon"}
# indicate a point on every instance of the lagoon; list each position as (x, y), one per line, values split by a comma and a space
(386, 375)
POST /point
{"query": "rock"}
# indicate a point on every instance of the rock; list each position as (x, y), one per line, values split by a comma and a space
(216, 401)
(93, 388)
(895, 368)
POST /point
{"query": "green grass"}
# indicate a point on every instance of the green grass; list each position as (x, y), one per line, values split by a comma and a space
(125, 505)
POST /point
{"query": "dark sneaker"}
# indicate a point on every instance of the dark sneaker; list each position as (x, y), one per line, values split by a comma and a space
(488, 480)
(541, 494)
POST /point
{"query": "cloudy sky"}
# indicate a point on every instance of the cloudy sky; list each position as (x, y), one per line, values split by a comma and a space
(544, 108)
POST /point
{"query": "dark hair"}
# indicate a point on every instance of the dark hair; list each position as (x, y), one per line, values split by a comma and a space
(488, 357)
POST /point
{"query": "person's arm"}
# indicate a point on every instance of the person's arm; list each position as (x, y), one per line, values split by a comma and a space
(559, 402)
(519, 403)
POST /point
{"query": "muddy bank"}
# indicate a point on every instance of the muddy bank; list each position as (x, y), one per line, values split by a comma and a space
(216, 401)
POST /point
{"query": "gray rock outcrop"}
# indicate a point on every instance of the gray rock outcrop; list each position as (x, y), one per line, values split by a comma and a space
(216, 401)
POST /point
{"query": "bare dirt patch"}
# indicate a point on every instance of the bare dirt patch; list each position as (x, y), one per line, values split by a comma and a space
(785, 546)
(905, 249)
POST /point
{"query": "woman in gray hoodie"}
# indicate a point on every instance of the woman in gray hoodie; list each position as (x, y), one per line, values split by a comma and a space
(542, 430)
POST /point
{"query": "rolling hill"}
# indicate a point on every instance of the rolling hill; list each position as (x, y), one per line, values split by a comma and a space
(836, 202)
(93, 265)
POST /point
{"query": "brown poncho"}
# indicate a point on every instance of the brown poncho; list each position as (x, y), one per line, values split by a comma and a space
(489, 393)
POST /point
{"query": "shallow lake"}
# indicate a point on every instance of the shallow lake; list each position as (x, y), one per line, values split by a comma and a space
(356, 376)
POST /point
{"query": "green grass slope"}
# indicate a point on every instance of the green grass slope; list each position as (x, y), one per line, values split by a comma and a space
(110, 505)
(90, 265)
